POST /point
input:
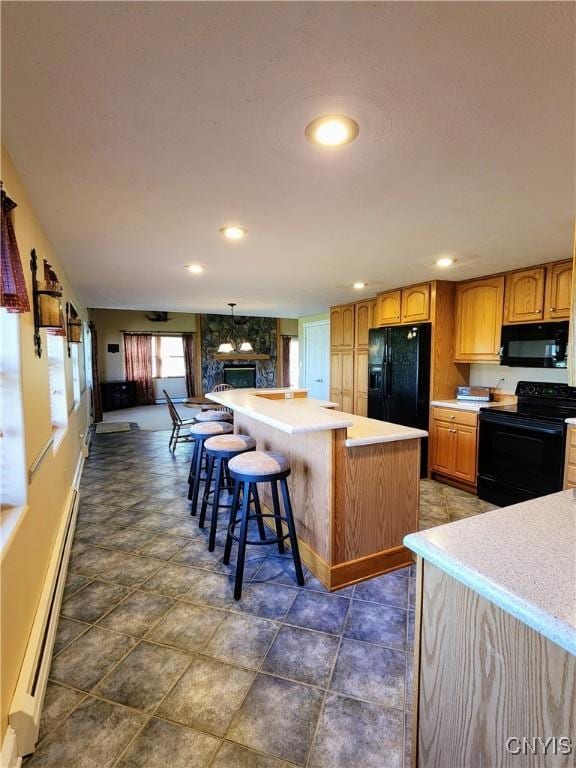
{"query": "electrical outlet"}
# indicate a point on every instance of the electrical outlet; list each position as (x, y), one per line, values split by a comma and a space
(289, 395)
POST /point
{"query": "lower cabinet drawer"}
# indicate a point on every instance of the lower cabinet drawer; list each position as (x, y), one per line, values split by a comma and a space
(466, 418)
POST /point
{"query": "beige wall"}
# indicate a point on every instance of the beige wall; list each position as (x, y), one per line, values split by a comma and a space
(111, 322)
(288, 326)
(25, 556)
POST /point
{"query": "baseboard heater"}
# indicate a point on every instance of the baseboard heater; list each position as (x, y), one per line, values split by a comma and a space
(26, 707)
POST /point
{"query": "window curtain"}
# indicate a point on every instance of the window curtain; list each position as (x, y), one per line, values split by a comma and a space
(286, 361)
(188, 344)
(96, 396)
(138, 361)
(13, 293)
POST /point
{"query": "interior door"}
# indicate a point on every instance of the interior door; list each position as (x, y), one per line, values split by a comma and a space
(315, 374)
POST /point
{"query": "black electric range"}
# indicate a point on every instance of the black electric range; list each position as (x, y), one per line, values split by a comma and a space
(521, 447)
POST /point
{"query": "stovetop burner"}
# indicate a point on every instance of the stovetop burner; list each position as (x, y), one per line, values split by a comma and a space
(542, 401)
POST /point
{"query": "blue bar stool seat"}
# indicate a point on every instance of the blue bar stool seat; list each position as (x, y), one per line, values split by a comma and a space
(246, 470)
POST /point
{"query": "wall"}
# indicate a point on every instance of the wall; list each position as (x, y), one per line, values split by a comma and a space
(260, 331)
(26, 552)
(111, 322)
(488, 375)
(322, 316)
(287, 326)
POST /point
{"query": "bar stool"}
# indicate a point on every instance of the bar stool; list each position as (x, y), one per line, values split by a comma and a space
(246, 470)
(201, 432)
(219, 450)
(214, 415)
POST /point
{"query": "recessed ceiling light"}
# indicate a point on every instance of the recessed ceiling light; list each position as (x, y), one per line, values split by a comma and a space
(445, 261)
(332, 130)
(196, 269)
(359, 286)
(234, 233)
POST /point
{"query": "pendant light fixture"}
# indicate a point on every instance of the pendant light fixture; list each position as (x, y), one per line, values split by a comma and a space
(227, 347)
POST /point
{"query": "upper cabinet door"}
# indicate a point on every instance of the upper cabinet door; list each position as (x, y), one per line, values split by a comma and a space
(416, 303)
(388, 309)
(336, 327)
(348, 326)
(558, 291)
(524, 296)
(363, 324)
(479, 307)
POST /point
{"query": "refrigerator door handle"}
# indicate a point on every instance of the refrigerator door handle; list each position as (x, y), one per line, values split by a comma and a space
(385, 391)
(388, 384)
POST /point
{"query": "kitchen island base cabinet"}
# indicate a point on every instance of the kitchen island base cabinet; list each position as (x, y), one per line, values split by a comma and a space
(352, 505)
(484, 680)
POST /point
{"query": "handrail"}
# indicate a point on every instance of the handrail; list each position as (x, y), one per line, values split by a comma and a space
(38, 460)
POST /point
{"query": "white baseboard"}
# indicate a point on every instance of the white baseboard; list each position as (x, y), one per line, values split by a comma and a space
(9, 753)
(26, 706)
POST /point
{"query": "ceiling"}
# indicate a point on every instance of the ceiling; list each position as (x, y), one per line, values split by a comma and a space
(140, 129)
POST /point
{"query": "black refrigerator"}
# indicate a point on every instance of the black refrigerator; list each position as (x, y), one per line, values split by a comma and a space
(399, 377)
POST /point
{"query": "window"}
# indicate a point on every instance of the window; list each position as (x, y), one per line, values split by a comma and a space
(57, 384)
(168, 357)
(75, 357)
(294, 362)
(13, 484)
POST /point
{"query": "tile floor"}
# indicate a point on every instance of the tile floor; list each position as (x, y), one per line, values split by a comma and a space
(156, 665)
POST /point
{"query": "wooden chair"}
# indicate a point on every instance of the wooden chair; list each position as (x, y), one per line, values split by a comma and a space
(177, 423)
(222, 388)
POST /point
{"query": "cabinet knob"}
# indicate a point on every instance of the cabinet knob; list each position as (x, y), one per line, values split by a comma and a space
(552, 309)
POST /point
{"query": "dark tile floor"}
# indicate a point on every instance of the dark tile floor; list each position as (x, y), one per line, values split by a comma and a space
(156, 665)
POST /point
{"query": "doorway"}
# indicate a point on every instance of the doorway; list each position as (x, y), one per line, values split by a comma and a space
(316, 359)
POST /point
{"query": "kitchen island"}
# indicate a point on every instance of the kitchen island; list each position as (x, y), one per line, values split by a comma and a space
(354, 483)
(495, 639)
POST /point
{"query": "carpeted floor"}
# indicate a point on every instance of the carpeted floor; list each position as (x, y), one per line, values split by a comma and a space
(151, 418)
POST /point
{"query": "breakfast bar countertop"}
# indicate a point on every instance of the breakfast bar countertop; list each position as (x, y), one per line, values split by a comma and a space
(294, 414)
(521, 558)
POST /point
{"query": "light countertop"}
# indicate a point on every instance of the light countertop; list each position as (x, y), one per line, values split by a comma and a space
(466, 405)
(521, 558)
(369, 431)
(571, 420)
(300, 414)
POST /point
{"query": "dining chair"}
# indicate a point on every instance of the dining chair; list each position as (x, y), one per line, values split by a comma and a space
(177, 423)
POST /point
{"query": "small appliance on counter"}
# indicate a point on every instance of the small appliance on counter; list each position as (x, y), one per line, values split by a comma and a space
(473, 394)
(521, 446)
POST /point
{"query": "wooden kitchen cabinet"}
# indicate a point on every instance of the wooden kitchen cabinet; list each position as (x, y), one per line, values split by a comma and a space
(454, 438)
(558, 299)
(342, 379)
(342, 327)
(524, 295)
(415, 304)
(441, 452)
(336, 371)
(570, 463)
(336, 327)
(361, 382)
(363, 323)
(348, 314)
(388, 308)
(479, 308)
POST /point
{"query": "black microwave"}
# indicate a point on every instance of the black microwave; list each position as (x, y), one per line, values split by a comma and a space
(535, 345)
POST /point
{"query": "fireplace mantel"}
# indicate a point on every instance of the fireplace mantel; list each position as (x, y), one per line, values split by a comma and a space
(238, 356)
